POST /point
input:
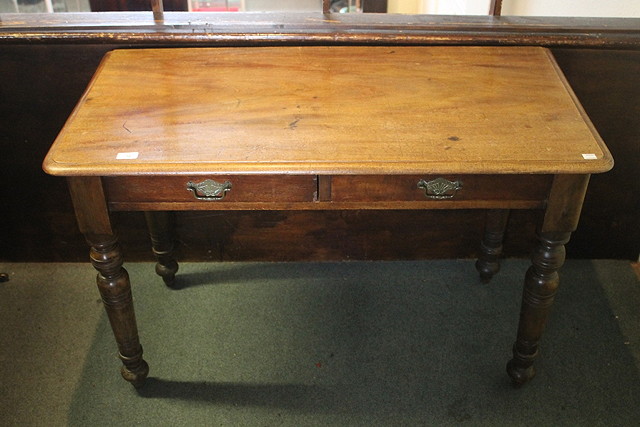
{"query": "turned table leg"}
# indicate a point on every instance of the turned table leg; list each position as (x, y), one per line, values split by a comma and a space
(113, 280)
(115, 290)
(161, 226)
(488, 263)
(541, 281)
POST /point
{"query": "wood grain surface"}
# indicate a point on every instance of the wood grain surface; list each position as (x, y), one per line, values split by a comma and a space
(332, 109)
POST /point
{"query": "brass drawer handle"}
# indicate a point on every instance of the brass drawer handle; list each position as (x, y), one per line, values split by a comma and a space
(440, 188)
(209, 189)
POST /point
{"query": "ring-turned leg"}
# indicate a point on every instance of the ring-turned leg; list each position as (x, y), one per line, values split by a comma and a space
(161, 225)
(115, 290)
(488, 263)
(113, 281)
(541, 283)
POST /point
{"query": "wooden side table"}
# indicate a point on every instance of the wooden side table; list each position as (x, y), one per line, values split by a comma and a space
(286, 128)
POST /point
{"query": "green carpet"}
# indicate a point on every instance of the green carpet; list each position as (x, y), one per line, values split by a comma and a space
(357, 343)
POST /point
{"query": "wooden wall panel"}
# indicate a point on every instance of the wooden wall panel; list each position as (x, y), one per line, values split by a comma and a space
(130, 5)
(39, 86)
(607, 82)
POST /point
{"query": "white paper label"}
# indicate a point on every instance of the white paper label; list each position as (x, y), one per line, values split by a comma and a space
(589, 156)
(127, 156)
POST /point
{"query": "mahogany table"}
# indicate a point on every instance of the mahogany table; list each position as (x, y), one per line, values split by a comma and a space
(340, 127)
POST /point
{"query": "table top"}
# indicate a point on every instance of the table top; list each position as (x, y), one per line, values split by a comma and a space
(328, 110)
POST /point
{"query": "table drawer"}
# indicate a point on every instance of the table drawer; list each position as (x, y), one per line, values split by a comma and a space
(210, 190)
(415, 188)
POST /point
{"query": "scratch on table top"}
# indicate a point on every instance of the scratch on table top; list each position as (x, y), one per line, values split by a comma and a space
(294, 124)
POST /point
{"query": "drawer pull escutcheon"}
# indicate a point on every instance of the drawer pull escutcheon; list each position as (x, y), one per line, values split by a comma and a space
(209, 189)
(440, 188)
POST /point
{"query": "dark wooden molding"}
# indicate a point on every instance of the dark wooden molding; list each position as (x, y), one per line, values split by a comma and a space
(182, 28)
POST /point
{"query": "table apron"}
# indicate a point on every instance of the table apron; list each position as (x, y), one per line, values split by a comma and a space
(339, 192)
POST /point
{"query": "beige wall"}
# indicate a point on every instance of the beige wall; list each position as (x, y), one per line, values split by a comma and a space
(283, 5)
(595, 8)
(404, 6)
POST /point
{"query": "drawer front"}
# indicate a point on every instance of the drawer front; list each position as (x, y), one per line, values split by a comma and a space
(416, 188)
(210, 190)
